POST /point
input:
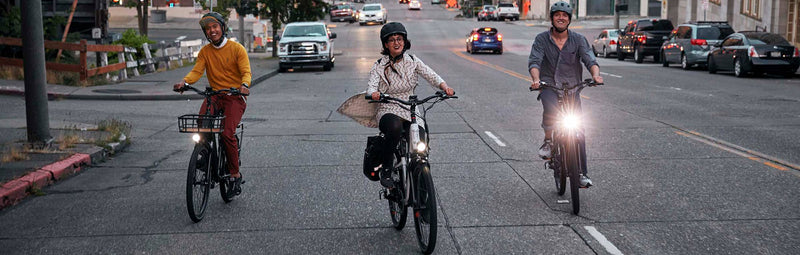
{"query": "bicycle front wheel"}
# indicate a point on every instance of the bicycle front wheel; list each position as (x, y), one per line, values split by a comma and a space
(573, 167)
(557, 164)
(198, 182)
(425, 221)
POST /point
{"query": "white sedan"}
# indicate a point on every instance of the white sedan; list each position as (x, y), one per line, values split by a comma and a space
(414, 5)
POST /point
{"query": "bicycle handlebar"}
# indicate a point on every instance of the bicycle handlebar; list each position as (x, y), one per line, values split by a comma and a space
(386, 98)
(586, 82)
(209, 92)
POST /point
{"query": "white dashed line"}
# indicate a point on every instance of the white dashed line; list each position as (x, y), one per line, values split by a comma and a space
(496, 140)
(610, 248)
(612, 75)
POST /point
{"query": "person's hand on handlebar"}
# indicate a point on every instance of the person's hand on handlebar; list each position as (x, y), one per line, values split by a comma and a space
(598, 79)
(376, 95)
(447, 89)
(178, 87)
(535, 85)
(244, 89)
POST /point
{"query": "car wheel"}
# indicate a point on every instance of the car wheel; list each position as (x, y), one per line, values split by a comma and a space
(637, 55)
(712, 66)
(605, 52)
(738, 68)
(685, 62)
(328, 66)
(281, 69)
(664, 61)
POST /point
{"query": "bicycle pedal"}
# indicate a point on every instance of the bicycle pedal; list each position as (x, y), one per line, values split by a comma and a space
(381, 194)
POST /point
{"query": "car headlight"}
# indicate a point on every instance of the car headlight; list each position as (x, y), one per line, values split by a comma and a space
(571, 122)
(282, 47)
(361, 15)
(196, 138)
(421, 147)
(323, 46)
(380, 14)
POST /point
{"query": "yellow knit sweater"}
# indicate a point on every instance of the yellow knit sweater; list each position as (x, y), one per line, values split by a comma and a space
(226, 67)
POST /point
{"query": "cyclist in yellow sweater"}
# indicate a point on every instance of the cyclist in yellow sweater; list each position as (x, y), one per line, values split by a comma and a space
(226, 66)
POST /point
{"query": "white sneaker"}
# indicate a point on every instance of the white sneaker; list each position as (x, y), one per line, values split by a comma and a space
(545, 152)
(585, 181)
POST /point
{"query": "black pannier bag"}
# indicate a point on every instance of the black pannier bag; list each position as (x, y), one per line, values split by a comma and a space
(372, 157)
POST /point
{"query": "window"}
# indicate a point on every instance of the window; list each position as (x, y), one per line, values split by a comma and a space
(752, 8)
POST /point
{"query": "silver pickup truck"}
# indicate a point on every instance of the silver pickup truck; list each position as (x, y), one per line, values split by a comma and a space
(306, 44)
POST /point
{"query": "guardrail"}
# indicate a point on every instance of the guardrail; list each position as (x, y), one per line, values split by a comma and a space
(126, 59)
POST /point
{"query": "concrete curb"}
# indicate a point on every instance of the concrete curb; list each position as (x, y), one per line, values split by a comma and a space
(15, 191)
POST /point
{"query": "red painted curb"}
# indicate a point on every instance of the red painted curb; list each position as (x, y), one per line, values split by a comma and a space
(14, 191)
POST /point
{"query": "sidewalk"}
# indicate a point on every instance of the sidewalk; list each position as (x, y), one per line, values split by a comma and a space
(21, 178)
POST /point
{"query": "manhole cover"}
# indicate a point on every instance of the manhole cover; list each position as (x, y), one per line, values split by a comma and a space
(116, 91)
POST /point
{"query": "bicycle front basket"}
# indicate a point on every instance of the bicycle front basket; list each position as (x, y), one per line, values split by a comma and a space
(197, 123)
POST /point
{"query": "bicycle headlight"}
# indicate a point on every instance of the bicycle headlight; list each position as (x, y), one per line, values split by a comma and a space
(571, 122)
(196, 138)
(421, 147)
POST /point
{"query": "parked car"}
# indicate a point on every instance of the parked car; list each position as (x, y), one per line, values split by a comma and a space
(506, 11)
(436, 1)
(414, 5)
(643, 37)
(306, 44)
(372, 13)
(487, 13)
(757, 52)
(342, 11)
(606, 42)
(690, 43)
(403, 1)
(485, 39)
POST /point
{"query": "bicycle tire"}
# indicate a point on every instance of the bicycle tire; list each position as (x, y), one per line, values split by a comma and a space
(198, 183)
(398, 210)
(559, 174)
(573, 167)
(225, 186)
(425, 218)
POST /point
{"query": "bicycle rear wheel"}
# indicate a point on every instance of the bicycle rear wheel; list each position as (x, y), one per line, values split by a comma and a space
(573, 167)
(425, 221)
(198, 182)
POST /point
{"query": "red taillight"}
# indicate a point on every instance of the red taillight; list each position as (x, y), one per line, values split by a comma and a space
(499, 37)
(699, 42)
(796, 53)
(474, 37)
(612, 42)
(642, 39)
(752, 52)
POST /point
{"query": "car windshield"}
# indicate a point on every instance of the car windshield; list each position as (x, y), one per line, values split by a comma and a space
(766, 38)
(308, 30)
(656, 25)
(505, 5)
(713, 33)
(612, 33)
(340, 7)
(371, 8)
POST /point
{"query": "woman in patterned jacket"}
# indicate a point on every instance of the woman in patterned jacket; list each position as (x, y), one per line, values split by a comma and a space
(396, 74)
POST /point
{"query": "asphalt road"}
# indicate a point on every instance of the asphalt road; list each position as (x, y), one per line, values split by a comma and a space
(684, 162)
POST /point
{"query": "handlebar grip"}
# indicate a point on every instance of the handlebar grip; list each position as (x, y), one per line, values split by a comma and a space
(368, 97)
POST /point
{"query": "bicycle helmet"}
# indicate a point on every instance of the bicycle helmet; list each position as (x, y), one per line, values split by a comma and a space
(393, 28)
(214, 17)
(561, 6)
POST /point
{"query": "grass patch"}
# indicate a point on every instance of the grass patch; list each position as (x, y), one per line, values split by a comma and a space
(14, 154)
(117, 128)
(68, 141)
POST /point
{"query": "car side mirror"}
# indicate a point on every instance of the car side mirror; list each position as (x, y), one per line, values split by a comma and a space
(333, 35)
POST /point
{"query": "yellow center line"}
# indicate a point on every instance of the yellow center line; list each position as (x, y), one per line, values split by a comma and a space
(745, 154)
(498, 68)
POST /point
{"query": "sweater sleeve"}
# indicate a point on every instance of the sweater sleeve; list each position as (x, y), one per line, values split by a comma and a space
(198, 70)
(428, 74)
(374, 79)
(244, 65)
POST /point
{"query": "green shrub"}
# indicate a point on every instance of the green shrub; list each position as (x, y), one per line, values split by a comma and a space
(132, 39)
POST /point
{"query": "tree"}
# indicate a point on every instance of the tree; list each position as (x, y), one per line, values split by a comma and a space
(141, 13)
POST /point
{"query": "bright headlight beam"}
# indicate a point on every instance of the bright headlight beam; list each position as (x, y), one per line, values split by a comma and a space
(571, 122)
(196, 138)
(421, 147)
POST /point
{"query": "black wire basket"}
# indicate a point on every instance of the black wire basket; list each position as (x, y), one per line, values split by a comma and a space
(197, 123)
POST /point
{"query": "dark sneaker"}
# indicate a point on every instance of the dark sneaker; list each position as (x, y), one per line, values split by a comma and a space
(237, 185)
(585, 181)
(386, 178)
(545, 152)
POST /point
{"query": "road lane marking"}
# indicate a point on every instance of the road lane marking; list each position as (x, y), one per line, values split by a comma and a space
(610, 248)
(612, 75)
(496, 140)
(740, 151)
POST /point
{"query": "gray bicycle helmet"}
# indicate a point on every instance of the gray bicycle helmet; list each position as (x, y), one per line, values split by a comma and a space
(561, 6)
(214, 17)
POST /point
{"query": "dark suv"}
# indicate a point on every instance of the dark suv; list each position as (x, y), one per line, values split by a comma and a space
(643, 37)
(690, 43)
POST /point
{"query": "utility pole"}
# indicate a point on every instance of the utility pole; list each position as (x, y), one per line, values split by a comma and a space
(34, 69)
(242, 40)
(616, 14)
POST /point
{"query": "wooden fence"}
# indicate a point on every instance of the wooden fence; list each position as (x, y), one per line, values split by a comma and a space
(169, 52)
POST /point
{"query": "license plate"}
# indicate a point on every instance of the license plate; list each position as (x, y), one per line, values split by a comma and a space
(775, 54)
(487, 40)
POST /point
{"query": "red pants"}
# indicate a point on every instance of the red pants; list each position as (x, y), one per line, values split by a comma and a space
(233, 107)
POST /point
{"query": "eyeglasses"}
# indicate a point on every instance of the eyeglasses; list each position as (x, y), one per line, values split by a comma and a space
(396, 40)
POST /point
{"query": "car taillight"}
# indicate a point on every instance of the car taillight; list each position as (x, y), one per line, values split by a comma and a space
(796, 53)
(642, 39)
(752, 52)
(499, 37)
(475, 37)
(612, 42)
(699, 42)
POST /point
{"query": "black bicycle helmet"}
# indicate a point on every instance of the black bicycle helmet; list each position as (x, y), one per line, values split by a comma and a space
(393, 28)
(561, 6)
(214, 17)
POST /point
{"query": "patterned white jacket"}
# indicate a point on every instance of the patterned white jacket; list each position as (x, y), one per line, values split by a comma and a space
(399, 84)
